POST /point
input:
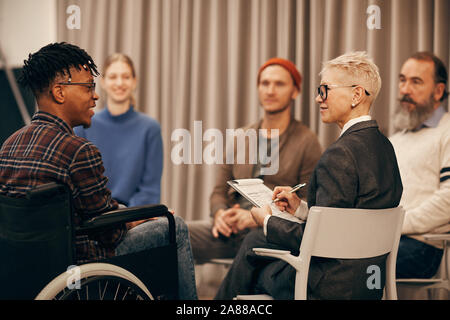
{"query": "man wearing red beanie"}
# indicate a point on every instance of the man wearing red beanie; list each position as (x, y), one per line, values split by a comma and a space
(279, 83)
(288, 65)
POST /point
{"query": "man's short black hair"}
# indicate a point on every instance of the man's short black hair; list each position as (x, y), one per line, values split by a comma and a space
(55, 59)
(440, 72)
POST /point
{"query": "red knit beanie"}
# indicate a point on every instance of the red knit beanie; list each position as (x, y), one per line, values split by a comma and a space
(288, 65)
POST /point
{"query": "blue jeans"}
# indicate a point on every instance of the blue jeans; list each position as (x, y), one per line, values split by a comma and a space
(155, 233)
(416, 259)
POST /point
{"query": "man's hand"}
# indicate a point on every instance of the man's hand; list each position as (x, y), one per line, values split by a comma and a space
(132, 224)
(288, 201)
(220, 225)
(259, 214)
(232, 220)
(239, 219)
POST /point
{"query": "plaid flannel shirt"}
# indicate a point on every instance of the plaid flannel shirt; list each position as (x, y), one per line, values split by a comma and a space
(47, 150)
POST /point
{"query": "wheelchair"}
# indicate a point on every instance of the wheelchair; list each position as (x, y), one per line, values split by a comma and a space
(37, 252)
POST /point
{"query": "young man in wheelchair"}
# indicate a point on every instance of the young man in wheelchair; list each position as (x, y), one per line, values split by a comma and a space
(61, 76)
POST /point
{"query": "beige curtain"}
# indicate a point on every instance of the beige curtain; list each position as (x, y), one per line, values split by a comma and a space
(197, 60)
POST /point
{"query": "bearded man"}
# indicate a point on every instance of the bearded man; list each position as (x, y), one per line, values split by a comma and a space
(422, 147)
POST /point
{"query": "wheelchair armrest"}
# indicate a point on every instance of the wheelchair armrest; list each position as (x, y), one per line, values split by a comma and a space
(47, 190)
(116, 217)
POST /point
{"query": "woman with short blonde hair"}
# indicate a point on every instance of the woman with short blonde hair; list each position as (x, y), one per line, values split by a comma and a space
(353, 82)
(360, 69)
(359, 170)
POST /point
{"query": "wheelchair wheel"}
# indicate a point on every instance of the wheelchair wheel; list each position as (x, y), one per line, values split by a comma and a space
(96, 281)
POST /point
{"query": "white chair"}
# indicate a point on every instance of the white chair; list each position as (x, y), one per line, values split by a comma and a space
(343, 234)
(441, 279)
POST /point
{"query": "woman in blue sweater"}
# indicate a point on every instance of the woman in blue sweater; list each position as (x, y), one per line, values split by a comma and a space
(132, 152)
(129, 141)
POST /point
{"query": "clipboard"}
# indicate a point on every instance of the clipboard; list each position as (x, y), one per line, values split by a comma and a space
(255, 191)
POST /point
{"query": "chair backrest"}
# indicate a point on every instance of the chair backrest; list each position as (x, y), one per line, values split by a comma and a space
(351, 233)
(36, 240)
(343, 233)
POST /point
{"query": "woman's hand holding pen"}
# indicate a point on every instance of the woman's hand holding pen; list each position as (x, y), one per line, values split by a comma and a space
(287, 201)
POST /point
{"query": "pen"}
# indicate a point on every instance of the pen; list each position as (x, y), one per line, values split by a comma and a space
(294, 189)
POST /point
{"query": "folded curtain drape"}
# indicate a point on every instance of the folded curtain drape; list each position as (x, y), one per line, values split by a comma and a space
(197, 60)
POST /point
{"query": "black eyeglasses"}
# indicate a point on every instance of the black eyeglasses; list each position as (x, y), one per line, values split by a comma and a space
(89, 85)
(322, 90)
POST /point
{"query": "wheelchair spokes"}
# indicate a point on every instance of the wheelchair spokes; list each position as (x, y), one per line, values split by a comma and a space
(103, 288)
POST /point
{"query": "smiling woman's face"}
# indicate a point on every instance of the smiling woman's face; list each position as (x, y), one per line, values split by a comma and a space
(119, 82)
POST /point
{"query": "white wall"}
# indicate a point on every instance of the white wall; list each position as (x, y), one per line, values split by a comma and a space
(26, 26)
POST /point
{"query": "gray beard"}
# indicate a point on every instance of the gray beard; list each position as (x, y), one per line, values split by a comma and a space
(403, 119)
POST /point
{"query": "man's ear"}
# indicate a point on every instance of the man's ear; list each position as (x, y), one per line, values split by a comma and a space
(295, 93)
(58, 94)
(439, 90)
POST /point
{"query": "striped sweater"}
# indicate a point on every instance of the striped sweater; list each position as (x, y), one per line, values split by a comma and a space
(424, 162)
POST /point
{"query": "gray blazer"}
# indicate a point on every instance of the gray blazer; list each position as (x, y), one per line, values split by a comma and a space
(359, 170)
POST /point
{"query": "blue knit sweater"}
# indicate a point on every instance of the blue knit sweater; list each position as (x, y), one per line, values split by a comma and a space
(132, 153)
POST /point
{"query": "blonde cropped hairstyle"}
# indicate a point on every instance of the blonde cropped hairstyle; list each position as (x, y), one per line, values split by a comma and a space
(360, 68)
